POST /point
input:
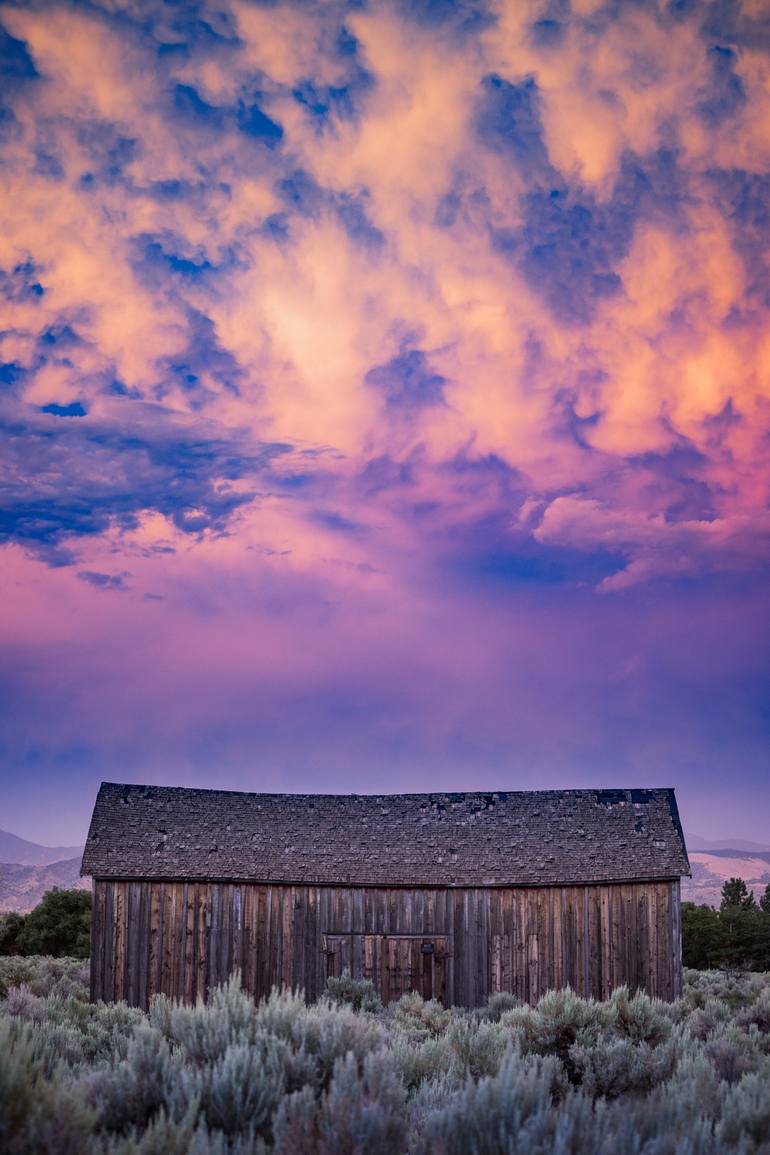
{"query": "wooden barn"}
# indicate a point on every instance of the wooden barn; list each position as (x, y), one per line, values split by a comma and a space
(456, 896)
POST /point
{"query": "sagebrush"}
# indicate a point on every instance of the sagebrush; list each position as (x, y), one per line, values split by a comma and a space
(345, 1076)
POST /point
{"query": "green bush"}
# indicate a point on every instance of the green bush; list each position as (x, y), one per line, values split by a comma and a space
(11, 926)
(59, 925)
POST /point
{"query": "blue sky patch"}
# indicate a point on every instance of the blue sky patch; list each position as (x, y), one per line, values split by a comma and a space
(408, 382)
(71, 409)
(15, 61)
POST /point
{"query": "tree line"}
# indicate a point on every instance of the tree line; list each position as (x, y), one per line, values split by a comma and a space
(735, 936)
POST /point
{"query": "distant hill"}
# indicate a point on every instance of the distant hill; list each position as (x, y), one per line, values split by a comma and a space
(22, 887)
(18, 850)
(710, 870)
(695, 842)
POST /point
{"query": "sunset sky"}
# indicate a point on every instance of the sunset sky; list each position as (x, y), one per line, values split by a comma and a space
(385, 393)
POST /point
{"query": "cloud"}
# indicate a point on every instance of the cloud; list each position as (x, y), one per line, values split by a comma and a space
(422, 316)
(423, 230)
(654, 545)
(104, 581)
(73, 479)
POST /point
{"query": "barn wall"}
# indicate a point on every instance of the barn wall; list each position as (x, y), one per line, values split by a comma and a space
(183, 937)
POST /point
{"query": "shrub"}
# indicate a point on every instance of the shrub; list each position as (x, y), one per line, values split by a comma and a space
(22, 1004)
(498, 1004)
(703, 1021)
(241, 1090)
(757, 1013)
(130, 1092)
(360, 994)
(618, 1066)
(39, 1110)
(279, 1013)
(746, 1114)
(733, 1053)
(560, 1019)
(360, 1114)
(477, 1048)
(204, 1031)
(324, 1033)
(426, 1060)
(419, 1018)
(641, 1018)
(45, 976)
(510, 1111)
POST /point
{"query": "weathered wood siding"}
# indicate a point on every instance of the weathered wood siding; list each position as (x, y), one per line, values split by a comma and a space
(461, 944)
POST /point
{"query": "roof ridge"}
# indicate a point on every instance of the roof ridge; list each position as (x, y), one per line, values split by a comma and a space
(566, 790)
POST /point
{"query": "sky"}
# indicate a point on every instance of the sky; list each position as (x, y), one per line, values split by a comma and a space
(385, 400)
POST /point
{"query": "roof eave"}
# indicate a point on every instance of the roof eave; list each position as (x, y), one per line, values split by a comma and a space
(379, 885)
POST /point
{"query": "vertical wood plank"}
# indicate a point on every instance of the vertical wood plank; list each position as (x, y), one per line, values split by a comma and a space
(169, 934)
(225, 932)
(136, 963)
(676, 940)
(143, 935)
(664, 940)
(214, 931)
(120, 940)
(535, 946)
(153, 982)
(288, 937)
(558, 972)
(274, 937)
(605, 935)
(188, 982)
(314, 937)
(236, 961)
(180, 939)
(166, 937)
(264, 939)
(201, 950)
(96, 985)
(618, 975)
(109, 942)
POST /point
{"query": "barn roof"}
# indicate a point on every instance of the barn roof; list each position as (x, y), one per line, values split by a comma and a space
(477, 839)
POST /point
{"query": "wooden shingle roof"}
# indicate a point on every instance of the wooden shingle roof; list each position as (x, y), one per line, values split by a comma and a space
(497, 838)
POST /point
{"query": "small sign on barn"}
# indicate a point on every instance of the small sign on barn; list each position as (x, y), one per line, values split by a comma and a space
(456, 896)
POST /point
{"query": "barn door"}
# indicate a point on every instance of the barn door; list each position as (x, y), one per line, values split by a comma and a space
(337, 950)
(396, 964)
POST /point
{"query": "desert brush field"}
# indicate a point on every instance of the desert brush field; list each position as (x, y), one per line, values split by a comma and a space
(345, 1076)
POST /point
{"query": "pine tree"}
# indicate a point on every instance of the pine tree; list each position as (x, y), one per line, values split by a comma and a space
(764, 901)
(735, 893)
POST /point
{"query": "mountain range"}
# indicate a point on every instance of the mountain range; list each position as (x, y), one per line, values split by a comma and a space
(695, 842)
(18, 850)
(28, 870)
